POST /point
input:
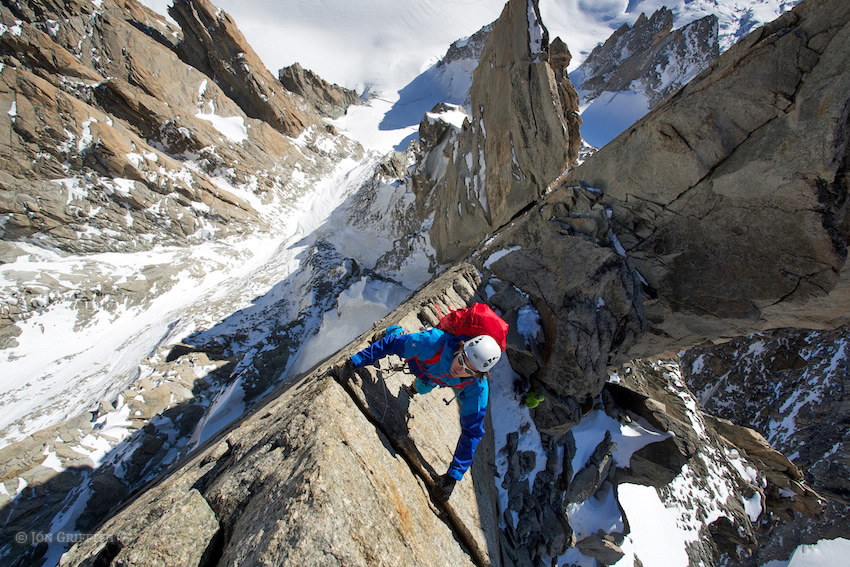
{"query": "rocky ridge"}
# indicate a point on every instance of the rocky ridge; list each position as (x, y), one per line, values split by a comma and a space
(278, 475)
(330, 100)
(454, 70)
(214, 45)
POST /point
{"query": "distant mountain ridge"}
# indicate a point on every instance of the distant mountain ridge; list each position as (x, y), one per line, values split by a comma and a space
(649, 57)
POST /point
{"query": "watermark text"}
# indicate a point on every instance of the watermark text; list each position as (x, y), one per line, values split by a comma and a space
(36, 538)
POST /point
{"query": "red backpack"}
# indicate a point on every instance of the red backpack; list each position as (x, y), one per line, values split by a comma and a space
(477, 319)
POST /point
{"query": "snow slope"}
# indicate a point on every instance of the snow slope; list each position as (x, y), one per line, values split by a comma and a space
(62, 368)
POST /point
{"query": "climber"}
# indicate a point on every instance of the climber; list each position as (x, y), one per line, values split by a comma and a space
(440, 359)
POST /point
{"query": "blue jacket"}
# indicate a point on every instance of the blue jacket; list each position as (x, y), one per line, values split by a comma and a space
(417, 348)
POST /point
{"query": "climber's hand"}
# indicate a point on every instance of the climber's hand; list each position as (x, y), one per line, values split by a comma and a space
(343, 370)
(444, 487)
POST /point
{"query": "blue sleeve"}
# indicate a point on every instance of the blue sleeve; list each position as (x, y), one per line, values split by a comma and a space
(390, 344)
(473, 409)
(424, 345)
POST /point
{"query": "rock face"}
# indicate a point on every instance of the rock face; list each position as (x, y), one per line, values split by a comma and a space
(468, 48)
(650, 52)
(736, 223)
(214, 45)
(738, 220)
(353, 489)
(66, 153)
(520, 136)
(82, 151)
(113, 144)
(588, 316)
(329, 100)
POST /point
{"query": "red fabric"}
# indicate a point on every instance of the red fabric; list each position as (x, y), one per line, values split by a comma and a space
(434, 359)
(477, 319)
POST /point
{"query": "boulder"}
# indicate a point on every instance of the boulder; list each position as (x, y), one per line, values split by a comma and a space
(190, 524)
(588, 479)
(601, 548)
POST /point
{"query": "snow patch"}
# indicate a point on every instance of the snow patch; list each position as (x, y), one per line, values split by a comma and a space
(51, 461)
(655, 537)
(16, 29)
(629, 438)
(52, 27)
(86, 138)
(77, 189)
(454, 117)
(495, 256)
(228, 406)
(528, 324)
(232, 127)
(824, 553)
(358, 307)
(535, 31)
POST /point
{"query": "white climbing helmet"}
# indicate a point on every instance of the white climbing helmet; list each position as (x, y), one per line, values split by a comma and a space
(483, 352)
